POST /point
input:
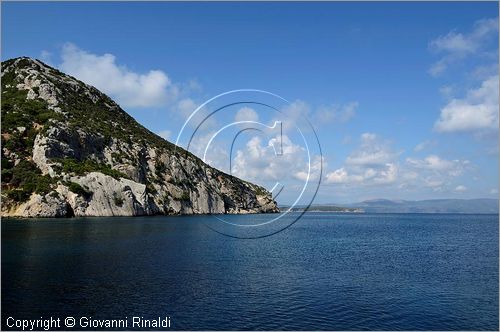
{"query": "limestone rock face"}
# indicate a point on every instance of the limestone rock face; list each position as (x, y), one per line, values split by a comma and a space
(41, 206)
(69, 150)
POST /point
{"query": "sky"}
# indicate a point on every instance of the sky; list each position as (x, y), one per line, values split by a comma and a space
(402, 97)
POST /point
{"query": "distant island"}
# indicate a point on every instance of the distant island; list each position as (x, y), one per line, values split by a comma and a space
(323, 208)
(70, 150)
(479, 205)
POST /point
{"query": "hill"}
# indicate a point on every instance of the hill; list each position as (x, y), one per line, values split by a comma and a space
(69, 150)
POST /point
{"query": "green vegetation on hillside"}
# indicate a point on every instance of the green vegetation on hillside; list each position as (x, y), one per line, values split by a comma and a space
(19, 112)
(21, 180)
(73, 166)
(185, 196)
(83, 109)
(118, 200)
(79, 190)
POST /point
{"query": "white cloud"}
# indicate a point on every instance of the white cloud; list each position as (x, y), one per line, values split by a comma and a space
(455, 42)
(368, 137)
(340, 176)
(372, 152)
(447, 91)
(433, 183)
(385, 174)
(46, 57)
(246, 114)
(257, 162)
(494, 191)
(438, 67)
(254, 158)
(439, 165)
(185, 107)
(460, 188)
(456, 46)
(435, 172)
(130, 89)
(483, 72)
(431, 162)
(317, 164)
(422, 146)
(375, 164)
(294, 115)
(217, 155)
(372, 163)
(298, 110)
(335, 113)
(165, 134)
(477, 111)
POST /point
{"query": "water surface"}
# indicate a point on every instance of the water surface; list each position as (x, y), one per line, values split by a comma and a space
(326, 272)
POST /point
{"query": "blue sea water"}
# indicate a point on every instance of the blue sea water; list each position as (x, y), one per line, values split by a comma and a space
(326, 272)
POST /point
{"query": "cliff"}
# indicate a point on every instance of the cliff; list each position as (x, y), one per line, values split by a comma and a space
(69, 150)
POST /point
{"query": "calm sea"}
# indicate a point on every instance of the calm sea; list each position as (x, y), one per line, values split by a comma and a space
(326, 272)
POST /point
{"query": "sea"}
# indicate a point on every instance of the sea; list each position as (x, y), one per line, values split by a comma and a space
(327, 271)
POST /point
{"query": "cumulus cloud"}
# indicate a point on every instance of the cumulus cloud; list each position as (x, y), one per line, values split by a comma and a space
(457, 46)
(254, 157)
(460, 189)
(374, 162)
(385, 174)
(436, 172)
(129, 88)
(478, 110)
(258, 161)
(246, 114)
(438, 164)
(317, 164)
(372, 152)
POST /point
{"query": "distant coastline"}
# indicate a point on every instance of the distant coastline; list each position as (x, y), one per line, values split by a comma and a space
(471, 206)
(323, 208)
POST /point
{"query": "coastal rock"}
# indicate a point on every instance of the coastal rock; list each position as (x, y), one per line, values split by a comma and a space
(69, 150)
(40, 206)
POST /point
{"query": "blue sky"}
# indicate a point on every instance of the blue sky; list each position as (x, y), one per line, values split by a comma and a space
(403, 96)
